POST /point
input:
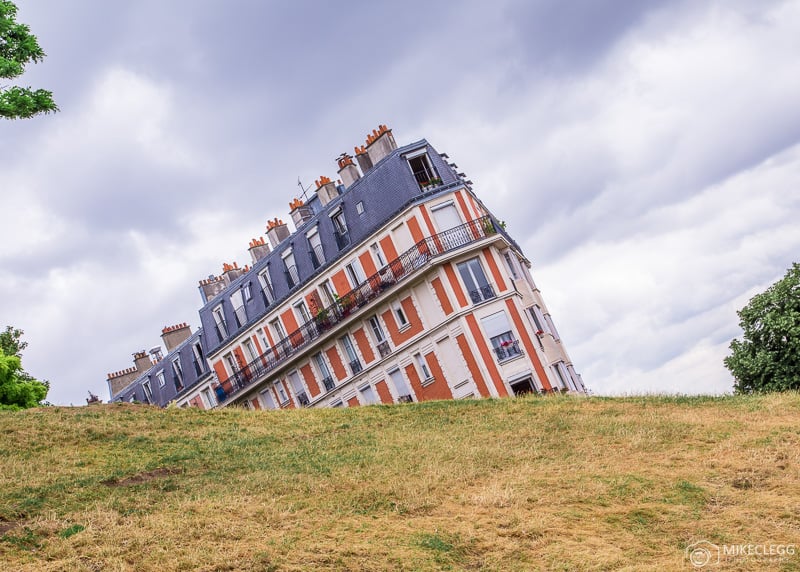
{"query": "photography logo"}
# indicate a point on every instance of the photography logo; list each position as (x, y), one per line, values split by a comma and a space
(702, 553)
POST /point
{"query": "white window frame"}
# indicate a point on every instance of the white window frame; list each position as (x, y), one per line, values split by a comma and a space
(219, 319)
(378, 255)
(400, 315)
(354, 272)
(423, 367)
(377, 330)
(249, 350)
(148, 391)
(266, 285)
(162, 381)
(368, 395)
(284, 398)
(177, 370)
(328, 292)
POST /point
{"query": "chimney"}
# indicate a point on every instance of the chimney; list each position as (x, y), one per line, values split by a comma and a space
(277, 232)
(231, 272)
(300, 212)
(348, 172)
(141, 361)
(258, 249)
(326, 190)
(363, 158)
(380, 143)
(212, 286)
(174, 336)
(119, 380)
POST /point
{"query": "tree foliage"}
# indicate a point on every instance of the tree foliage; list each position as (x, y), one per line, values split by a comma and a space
(18, 390)
(18, 47)
(768, 358)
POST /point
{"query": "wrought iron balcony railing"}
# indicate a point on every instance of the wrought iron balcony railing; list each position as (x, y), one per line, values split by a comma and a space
(384, 349)
(508, 351)
(302, 398)
(405, 264)
(327, 383)
(355, 366)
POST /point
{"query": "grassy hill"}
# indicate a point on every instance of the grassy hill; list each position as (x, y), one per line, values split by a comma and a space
(515, 484)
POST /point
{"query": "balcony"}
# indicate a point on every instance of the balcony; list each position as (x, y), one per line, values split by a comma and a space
(482, 294)
(302, 398)
(355, 366)
(373, 287)
(507, 350)
(384, 349)
(327, 382)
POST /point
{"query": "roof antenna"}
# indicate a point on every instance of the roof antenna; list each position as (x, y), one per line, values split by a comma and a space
(303, 189)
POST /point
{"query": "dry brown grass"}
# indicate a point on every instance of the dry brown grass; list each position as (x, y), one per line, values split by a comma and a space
(517, 484)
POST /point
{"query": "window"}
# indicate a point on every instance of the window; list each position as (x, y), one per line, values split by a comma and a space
(197, 358)
(267, 400)
(538, 319)
(505, 346)
(337, 403)
(249, 350)
(231, 363)
(498, 330)
(560, 374)
(324, 372)
(302, 312)
(368, 396)
(207, 396)
(422, 169)
(423, 367)
(380, 338)
(263, 337)
(266, 287)
(377, 330)
(377, 255)
(475, 280)
(176, 368)
(148, 392)
(161, 379)
(400, 385)
(360, 207)
(316, 251)
(297, 386)
(328, 297)
(237, 301)
(282, 393)
(290, 269)
(248, 295)
(446, 216)
(512, 267)
(400, 314)
(350, 352)
(354, 272)
(219, 322)
(340, 229)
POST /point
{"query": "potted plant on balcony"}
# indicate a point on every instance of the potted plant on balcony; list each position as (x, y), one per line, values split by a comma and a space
(323, 319)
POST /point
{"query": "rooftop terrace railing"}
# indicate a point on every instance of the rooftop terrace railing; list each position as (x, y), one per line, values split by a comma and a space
(326, 318)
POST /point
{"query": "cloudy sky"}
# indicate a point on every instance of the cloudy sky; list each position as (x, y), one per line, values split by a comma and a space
(646, 155)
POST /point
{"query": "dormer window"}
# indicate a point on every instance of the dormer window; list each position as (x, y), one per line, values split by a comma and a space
(423, 170)
(340, 229)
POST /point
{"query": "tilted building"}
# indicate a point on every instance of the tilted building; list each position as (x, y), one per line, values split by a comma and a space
(397, 284)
